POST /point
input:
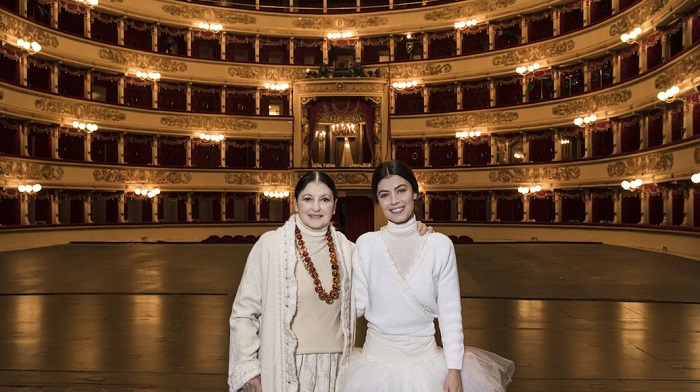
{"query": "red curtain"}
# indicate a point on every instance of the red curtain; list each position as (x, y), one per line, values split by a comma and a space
(571, 80)
(274, 154)
(39, 11)
(355, 215)
(602, 208)
(631, 208)
(441, 206)
(240, 100)
(540, 26)
(509, 206)
(9, 136)
(476, 95)
(602, 142)
(573, 207)
(655, 128)
(9, 209)
(172, 96)
(206, 99)
(39, 140)
(71, 145)
(476, 42)
(542, 207)
(104, 147)
(205, 154)
(442, 98)
(410, 102)
(678, 207)
(476, 152)
(308, 51)
(629, 64)
(274, 50)
(475, 206)
(600, 9)
(240, 153)
(677, 122)
(410, 152)
(571, 17)
(443, 152)
(601, 72)
(630, 133)
(206, 44)
(240, 47)
(9, 64)
(656, 209)
(373, 47)
(71, 81)
(509, 91)
(172, 40)
(508, 33)
(172, 151)
(137, 35)
(107, 83)
(442, 44)
(541, 146)
(104, 27)
(138, 93)
(71, 18)
(138, 150)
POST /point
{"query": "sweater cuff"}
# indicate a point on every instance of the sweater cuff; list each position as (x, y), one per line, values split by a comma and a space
(242, 374)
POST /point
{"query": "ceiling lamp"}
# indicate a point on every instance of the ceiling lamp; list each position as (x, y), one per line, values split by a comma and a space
(467, 135)
(669, 95)
(343, 129)
(209, 137)
(522, 70)
(465, 23)
(213, 27)
(276, 194)
(339, 35)
(695, 178)
(147, 192)
(583, 121)
(30, 47)
(89, 127)
(30, 189)
(277, 86)
(632, 36)
(631, 185)
(151, 75)
(404, 85)
(533, 189)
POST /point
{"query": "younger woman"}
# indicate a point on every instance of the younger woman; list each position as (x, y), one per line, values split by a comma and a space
(402, 282)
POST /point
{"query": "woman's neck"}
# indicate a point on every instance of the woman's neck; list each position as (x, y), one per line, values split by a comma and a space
(403, 231)
(308, 232)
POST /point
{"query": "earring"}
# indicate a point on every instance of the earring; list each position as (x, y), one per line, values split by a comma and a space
(415, 196)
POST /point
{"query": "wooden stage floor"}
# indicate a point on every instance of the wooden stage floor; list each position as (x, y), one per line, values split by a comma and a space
(153, 317)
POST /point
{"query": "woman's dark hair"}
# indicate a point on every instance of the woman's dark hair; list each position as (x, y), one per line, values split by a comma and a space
(313, 177)
(391, 168)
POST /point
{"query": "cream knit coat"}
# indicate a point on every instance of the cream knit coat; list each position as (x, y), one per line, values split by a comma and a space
(261, 339)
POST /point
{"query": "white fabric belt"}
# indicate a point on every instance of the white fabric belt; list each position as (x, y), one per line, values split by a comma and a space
(400, 349)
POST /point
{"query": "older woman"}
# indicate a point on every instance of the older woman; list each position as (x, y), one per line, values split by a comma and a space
(293, 319)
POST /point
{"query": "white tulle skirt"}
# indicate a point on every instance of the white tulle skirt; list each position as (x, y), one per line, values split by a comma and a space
(390, 363)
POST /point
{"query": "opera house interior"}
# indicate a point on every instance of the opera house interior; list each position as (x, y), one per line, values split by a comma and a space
(525, 121)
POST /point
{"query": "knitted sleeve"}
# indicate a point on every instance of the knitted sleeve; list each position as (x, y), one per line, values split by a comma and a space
(359, 278)
(450, 306)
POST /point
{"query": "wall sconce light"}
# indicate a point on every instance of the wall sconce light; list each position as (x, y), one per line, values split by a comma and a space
(631, 185)
(277, 86)
(564, 141)
(522, 70)
(518, 155)
(147, 192)
(669, 95)
(467, 134)
(209, 137)
(339, 35)
(695, 178)
(404, 85)
(344, 129)
(276, 194)
(29, 189)
(152, 75)
(632, 36)
(89, 127)
(30, 47)
(465, 23)
(533, 189)
(213, 27)
(583, 121)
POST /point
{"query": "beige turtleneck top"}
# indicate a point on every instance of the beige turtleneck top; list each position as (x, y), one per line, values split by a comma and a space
(316, 323)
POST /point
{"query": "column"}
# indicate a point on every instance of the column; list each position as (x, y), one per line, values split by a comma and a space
(616, 69)
(154, 94)
(257, 206)
(587, 142)
(54, 77)
(120, 89)
(667, 131)
(257, 154)
(526, 207)
(222, 45)
(324, 48)
(88, 26)
(586, 8)
(120, 32)
(120, 208)
(458, 41)
(258, 94)
(54, 142)
(87, 216)
(688, 207)
(642, 53)
(523, 88)
(459, 96)
(556, 21)
(120, 149)
(188, 42)
(87, 156)
(557, 206)
(392, 44)
(494, 151)
(667, 195)
(494, 206)
(426, 99)
(154, 208)
(426, 42)
(492, 36)
(586, 69)
(24, 209)
(154, 38)
(188, 96)
(426, 153)
(426, 207)
(222, 148)
(188, 207)
(526, 148)
(154, 151)
(460, 206)
(617, 136)
(460, 152)
(23, 139)
(188, 152)
(54, 209)
(644, 205)
(524, 30)
(556, 74)
(222, 204)
(222, 98)
(23, 66)
(644, 132)
(256, 46)
(617, 216)
(492, 92)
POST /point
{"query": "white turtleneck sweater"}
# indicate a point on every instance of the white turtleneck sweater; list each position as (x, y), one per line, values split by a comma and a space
(316, 323)
(389, 263)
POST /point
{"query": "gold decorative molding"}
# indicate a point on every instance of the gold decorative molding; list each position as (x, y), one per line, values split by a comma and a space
(467, 9)
(535, 53)
(275, 179)
(436, 178)
(471, 120)
(30, 170)
(270, 73)
(2, 94)
(685, 69)
(79, 110)
(640, 165)
(209, 123)
(354, 22)
(142, 61)
(209, 14)
(637, 17)
(535, 174)
(141, 176)
(418, 70)
(350, 178)
(341, 86)
(697, 155)
(21, 29)
(592, 103)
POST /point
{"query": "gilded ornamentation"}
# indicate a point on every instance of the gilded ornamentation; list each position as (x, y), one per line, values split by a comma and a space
(30, 171)
(355, 22)
(417, 70)
(2, 94)
(276, 179)
(142, 61)
(535, 53)
(535, 174)
(340, 86)
(20, 28)
(685, 69)
(471, 120)
(637, 17)
(218, 15)
(270, 73)
(350, 178)
(697, 155)
(643, 164)
(79, 110)
(592, 103)
(210, 123)
(140, 176)
(436, 178)
(467, 9)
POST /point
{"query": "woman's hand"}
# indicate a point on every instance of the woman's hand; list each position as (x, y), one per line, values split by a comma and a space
(254, 385)
(423, 228)
(453, 382)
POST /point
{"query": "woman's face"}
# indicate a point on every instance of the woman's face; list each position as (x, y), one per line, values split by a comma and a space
(316, 205)
(395, 198)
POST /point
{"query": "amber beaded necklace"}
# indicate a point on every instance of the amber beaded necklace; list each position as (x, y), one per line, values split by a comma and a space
(335, 271)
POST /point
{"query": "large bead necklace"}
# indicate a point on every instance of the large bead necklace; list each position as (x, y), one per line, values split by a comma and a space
(335, 271)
